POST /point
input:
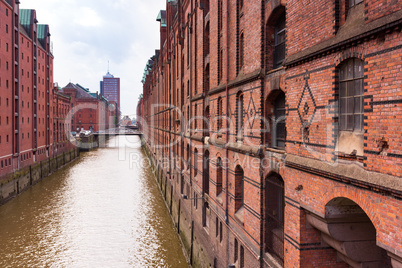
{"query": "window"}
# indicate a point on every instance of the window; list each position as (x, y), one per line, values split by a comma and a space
(239, 114)
(354, 2)
(241, 257)
(220, 232)
(241, 51)
(217, 227)
(219, 176)
(205, 215)
(195, 161)
(205, 173)
(236, 250)
(220, 65)
(195, 116)
(280, 38)
(275, 205)
(220, 113)
(239, 188)
(279, 131)
(351, 95)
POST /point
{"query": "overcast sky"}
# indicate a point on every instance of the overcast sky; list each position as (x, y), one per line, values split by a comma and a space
(86, 34)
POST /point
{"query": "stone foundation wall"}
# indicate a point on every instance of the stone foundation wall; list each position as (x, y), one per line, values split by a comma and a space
(13, 184)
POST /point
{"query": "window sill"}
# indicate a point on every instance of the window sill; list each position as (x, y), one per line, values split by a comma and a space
(219, 198)
(239, 215)
(276, 70)
(279, 151)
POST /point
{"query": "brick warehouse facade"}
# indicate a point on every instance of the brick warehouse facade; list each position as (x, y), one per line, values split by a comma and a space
(26, 88)
(34, 115)
(276, 130)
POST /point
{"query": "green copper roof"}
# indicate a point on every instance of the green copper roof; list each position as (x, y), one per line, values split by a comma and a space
(83, 88)
(27, 19)
(162, 18)
(43, 31)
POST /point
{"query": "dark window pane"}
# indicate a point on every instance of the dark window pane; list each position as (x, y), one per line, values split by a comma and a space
(358, 69)
(343, 106)
(359, 87)
(350, 91)
(350, 122)
(343, 122)
(349, 74)
(280, 38)
(357, 122)
(342, 74)
(358, 105)
(342, 89)
(350, 105)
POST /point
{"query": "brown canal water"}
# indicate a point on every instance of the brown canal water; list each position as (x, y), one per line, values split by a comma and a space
(105, 210)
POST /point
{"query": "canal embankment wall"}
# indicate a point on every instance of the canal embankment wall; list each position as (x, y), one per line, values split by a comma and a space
(13, 184)
(185, 222)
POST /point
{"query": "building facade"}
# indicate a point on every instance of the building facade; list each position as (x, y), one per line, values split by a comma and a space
(26, 82)
(88, 111)
(276, 129)
(110, 88)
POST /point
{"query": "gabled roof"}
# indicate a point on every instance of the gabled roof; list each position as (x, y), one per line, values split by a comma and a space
(27, 19)
(80, 91)
(83, 88)
(43, 33)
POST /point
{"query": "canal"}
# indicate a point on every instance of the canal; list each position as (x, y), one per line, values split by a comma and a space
(104, 210)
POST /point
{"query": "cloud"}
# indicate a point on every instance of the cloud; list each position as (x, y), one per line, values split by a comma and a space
(87, 17)
(88, 34)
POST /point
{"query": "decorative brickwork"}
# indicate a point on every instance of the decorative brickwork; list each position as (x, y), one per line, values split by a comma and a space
(277, 116)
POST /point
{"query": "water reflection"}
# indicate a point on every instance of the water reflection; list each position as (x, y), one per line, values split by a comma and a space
(103, 211)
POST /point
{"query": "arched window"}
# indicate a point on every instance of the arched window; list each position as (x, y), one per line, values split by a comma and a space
(241, 51)
(279, 131)
(351, 95)
(239, 114)
(274, 214)
(239, 188)
(219, 171)
(280, 38)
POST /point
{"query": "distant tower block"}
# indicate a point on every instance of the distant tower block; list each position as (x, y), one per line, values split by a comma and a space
(110, 89)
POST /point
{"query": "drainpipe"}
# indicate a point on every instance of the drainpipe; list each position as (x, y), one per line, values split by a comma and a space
(227, 132)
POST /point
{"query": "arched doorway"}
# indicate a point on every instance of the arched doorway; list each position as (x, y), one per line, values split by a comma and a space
(348, 230)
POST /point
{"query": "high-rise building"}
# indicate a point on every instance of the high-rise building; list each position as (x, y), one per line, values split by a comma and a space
(110, 89)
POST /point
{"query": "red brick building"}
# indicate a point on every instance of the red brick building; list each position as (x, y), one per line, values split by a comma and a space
(280, 122)
(26, 64)
(61, 124)
(88, 111)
